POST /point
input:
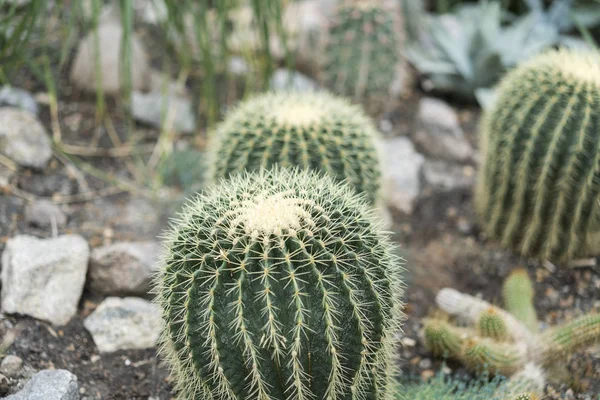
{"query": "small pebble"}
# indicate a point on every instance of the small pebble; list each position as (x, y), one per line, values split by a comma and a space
(11, 365)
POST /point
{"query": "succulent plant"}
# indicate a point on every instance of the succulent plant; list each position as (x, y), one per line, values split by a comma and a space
(518, 298)
(314, 130)
(520, 353)
(279, 284)
(362, 50)
(537, 192)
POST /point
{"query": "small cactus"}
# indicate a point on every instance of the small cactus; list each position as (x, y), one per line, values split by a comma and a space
(518, 298)
(363, 50)
(442, 339)
(314, 130)
(492, 325)
(279, 284)
(496, 357)
(537, 191)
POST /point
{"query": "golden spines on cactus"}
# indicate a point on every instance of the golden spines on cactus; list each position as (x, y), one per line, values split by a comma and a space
(491, 324)
(279, 284)
(443, 339)
(493, 356)
(518, 298)
(538, 190)
(314, 130)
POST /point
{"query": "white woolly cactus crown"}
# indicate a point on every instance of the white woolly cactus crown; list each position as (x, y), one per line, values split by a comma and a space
(280, 284)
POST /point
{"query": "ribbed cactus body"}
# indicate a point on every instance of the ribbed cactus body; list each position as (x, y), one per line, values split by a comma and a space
(279, 285)
(362, 52)
(491, 324)
(311, 130)
(443, 339)
(538, 190)
(518, 298)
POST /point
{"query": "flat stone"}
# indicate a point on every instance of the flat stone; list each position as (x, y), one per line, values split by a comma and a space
(439, 134)
(83, 71)
(11, 365)
(44, 278)
(151, 107)
(49, 385)
(23, 138)
(44, 213)
(444, 176)
(123, 268)
(19, 98)
(124, 323)
(402, 165)
(283, 79)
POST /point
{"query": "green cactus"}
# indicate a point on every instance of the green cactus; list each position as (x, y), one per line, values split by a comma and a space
(313, 130)
(279, 284)
(442, 387)
(362, 51)
(443, 339)
(496, 357)
(492, 325)
(537, 190)
(518, 298)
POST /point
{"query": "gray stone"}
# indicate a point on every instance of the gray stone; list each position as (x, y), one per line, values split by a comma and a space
(439, 134)
(49, 385)
(238, 66)
(402, 164)
(44, 278)
(19, 98)
(121, 324)
(44, 213)
(283, 79)
(441, 175)
(151, 107)
(23, 138)
(83, 71)
(11, 365)
(123, 268)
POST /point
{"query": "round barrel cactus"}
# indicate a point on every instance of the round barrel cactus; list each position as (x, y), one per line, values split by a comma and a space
(279, 284)
(362, 51)
(314, 130)
(539, 187)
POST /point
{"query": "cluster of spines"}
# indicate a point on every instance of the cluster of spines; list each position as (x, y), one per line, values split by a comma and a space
(362, 49)
(314, 130)
(498, 344)
(538, 192)
(259, 274)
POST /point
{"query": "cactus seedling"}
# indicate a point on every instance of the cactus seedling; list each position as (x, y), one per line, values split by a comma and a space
(492, 325)
(311, 130)
(537, 190)
(279, 284)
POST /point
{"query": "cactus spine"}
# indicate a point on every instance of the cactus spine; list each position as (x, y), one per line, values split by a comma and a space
(492, 325)
(311, 130)
(363, 50)
(518, 298)
(537, 190)
(277, 285)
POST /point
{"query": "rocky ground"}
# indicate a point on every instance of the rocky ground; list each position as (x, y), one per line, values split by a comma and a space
(79, 240)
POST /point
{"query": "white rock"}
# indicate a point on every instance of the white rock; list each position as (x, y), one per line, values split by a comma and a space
(402, 164)
(44, 278)
(19, 98)
(123, 268)
(121, 324)
(441, 175)
(23, 138)
(151, 107)
(283, 79)
(49, 385)
(83, 72)
(11, 365)
(44, 213)
(439, 134)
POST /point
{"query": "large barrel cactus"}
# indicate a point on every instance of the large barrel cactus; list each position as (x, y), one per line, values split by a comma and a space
(539, 187)
(362, 50)
(314, 130)
(279, 285)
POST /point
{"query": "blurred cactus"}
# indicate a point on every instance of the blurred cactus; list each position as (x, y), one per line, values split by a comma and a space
(537, 191)
(492, 325)
(313, 130)
(518, 298)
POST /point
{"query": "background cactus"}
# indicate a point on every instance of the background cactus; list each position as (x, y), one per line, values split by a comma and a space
(278, 285)
(538, 192)
(518, 298)
(312, 130)
(492, 325)
(524, 355)
(362, 50)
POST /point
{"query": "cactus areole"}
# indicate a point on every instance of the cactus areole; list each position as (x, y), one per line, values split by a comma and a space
(539, 188)
(279, 285)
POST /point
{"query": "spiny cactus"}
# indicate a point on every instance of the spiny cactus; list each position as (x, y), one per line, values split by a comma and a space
(518, 298)
(537, 190)
(522, 352)
(362, 51)
(276, 285)
(442, 387)
(312, 130)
